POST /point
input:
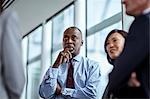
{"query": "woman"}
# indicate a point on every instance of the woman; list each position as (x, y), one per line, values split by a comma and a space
(114, 45)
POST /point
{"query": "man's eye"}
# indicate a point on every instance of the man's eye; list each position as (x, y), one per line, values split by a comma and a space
(65, 39)
(74, 38)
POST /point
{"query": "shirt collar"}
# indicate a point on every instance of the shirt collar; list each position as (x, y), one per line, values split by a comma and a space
(146, 11)
(77, 58)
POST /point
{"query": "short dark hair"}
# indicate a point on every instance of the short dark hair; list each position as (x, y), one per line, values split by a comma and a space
(73, 27)
(122, 32)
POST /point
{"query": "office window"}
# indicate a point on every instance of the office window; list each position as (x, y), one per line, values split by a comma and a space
(99, 10)
(46, 48)
(103, 16)
(59, 23)
(35, 39)
(33, 67)
(34, 70)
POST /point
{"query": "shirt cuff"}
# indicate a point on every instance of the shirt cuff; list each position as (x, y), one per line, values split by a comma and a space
(68, 92)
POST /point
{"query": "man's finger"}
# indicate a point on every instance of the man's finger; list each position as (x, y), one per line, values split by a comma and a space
(70, 55)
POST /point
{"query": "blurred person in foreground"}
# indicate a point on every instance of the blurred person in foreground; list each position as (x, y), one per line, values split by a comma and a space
(84, 77)
(135, 56)
(12, 77)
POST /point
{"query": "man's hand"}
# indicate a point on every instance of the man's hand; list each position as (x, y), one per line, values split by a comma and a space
(63, 56)
(58, 89)
(133, 82)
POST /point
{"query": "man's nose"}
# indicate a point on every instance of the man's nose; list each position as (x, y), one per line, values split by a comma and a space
(69, 40)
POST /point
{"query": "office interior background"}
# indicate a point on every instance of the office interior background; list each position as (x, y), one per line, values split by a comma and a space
(44, 21)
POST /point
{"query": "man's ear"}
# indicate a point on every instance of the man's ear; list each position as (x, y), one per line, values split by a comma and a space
(81, 42)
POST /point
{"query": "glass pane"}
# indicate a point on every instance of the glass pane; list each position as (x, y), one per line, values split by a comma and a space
(35, 39)
(64, 20)
(99, 10)
(47, 47)
(33, 79)
(34, 68)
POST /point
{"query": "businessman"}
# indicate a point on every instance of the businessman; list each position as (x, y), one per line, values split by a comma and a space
(72, 75)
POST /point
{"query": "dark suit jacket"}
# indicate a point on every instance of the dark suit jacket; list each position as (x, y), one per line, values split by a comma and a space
(135, 57)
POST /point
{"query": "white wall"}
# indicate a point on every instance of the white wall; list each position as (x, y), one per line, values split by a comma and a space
(34, 12)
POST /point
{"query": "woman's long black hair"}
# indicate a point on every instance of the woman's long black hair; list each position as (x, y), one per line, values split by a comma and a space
(123, 33)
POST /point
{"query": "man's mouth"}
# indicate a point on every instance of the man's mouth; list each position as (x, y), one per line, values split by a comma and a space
(70, 48)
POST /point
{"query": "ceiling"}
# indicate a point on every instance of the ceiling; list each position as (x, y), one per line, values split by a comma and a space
(34, 12)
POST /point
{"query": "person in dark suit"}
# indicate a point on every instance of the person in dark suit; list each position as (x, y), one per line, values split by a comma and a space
(135, 56)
